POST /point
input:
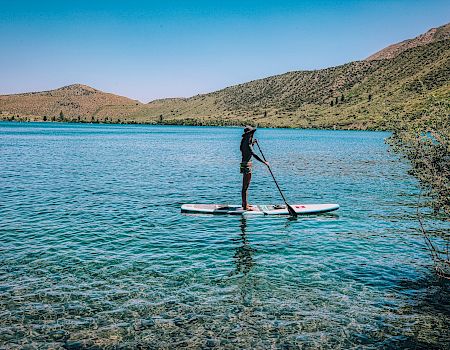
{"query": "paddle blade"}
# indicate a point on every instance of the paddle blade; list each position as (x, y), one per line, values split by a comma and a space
(291, 211)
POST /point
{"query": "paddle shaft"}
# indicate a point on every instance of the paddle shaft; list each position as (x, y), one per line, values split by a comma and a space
(290, 209)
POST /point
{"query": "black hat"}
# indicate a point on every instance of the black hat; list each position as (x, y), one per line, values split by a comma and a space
(248, 129)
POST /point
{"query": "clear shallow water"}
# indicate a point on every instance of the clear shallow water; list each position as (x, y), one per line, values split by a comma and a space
(94, 251)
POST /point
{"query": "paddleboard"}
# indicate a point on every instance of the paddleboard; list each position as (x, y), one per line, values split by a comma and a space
(300, 209)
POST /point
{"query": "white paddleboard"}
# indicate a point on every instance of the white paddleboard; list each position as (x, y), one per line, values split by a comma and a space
(300, 209)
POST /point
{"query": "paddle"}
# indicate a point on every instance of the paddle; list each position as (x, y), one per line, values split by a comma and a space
(289, 208)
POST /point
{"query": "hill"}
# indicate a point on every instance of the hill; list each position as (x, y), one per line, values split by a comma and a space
(76, 101)
(368, 94)
(358, 95)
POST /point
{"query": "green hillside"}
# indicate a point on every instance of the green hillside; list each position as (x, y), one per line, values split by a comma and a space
(358, 95)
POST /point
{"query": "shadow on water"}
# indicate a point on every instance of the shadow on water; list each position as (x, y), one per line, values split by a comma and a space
(243, 257)
(430, 293)
(320, 216)
(428, 313)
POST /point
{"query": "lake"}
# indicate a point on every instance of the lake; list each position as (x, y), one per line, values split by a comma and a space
(94, 252)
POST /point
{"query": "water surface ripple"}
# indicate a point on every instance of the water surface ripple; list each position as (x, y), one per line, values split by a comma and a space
(94, 252)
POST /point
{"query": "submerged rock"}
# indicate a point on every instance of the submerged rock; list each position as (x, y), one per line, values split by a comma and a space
(143, 324)
(178, 322)
(59, 335)
(211, 343)
(73, 345)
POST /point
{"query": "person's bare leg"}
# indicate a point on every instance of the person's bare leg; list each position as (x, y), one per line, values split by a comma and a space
(245, 184)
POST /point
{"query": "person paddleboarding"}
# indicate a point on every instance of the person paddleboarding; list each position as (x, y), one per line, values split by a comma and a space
(246, 163)
(247, 143)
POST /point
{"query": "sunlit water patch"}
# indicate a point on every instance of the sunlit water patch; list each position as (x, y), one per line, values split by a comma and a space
(94, 251)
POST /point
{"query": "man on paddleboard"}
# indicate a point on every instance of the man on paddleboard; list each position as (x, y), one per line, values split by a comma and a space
(246, 164)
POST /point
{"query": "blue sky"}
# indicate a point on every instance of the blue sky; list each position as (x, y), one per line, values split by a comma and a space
(153, 49)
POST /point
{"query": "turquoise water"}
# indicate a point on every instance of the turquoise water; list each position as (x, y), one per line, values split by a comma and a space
(95, 253)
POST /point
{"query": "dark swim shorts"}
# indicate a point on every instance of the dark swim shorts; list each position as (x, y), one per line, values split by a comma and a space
(246, 168)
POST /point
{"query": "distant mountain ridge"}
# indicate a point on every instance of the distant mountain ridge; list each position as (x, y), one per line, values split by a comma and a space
(432, 35)
(366, 94)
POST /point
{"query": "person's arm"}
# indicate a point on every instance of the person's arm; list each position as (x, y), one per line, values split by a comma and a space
(255, 155)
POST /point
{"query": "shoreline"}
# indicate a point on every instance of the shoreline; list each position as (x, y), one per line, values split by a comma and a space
(199, 125)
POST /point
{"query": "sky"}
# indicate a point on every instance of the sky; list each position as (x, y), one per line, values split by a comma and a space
(154, 49)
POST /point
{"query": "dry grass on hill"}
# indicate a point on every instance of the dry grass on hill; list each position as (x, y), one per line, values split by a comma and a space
(75, 101)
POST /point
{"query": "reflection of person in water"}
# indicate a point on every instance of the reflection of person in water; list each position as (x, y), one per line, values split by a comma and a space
(243, 256)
